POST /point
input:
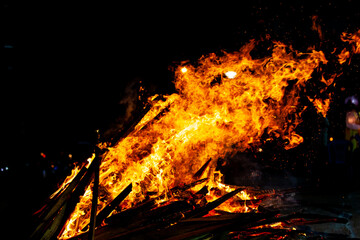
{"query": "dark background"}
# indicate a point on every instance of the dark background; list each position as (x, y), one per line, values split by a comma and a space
(66, 67)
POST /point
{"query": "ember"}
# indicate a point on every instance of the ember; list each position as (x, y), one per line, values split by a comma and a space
(162, 173)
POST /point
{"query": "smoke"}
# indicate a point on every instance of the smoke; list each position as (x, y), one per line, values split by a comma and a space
(130, 99)
(126, 107)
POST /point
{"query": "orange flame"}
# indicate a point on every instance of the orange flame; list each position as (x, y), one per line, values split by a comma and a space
(213, 114)
(322, 106)
(354, 40)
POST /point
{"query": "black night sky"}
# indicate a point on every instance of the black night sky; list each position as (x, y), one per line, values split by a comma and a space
(66, 66)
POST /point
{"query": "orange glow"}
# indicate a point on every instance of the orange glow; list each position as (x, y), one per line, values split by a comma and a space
(354, 40)
(209, 117)
(322, 106)
(343, 56)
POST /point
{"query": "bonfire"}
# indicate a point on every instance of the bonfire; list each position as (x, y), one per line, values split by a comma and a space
(160, 178)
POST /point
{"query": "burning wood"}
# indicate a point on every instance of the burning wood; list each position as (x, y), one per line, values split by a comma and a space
(183, 213)
(145, 179)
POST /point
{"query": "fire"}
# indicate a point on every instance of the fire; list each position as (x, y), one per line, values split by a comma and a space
(213, 114)
(322, 106)
(354, 40)
(71, 177)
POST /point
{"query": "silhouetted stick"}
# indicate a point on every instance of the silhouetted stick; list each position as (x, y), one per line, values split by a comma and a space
(211, 205)
(94, 202)
(201, 171)
(130, 128)
(110, 207)
(127, 130)
(79, 191)
(51, 230)
(49, 213)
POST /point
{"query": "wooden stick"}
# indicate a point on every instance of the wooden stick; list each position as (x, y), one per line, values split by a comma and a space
(52, 229)
(79, 191)
(50, 212)
(130, 128)
(95, 196)
(211, 205)
(200, 172)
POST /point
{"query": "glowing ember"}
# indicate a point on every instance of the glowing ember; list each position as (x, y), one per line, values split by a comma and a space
(211, 116)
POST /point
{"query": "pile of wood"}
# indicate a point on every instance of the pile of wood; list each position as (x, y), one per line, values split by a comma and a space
(181, 213)
(184, 214)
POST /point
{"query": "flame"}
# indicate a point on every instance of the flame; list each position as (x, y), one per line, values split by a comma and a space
(212, 115)
(71, 177)
(321, 105)
(67, 180)
(343, 56)
(354, 40)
